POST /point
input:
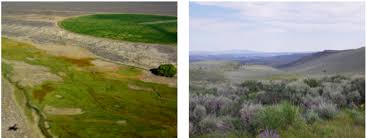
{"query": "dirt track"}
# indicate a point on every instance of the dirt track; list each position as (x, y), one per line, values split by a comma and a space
(37, 23)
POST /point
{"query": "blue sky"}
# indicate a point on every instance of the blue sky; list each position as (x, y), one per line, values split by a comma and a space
(276, 26)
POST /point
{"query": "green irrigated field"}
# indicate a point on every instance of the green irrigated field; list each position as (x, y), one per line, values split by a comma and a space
(110, 106)
(128, 27)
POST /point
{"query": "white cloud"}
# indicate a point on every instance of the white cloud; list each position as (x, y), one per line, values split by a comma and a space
(290, 16)
(216, 25)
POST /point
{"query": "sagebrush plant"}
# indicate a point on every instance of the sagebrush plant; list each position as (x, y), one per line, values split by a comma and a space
(325, 110)
(247, 114)
(253, 106)
(209, 124)
(199, 112)
(311, 116)
(312, 82)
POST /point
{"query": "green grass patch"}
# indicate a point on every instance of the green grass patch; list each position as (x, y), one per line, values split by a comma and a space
(129, 71)
(128, 27)
(104, 101)
(343, 126)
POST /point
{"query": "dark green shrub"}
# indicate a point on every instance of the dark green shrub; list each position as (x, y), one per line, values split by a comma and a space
(167, 70)
(359, 85)
(252, 85)
(277, 116)
(335, 78)
(313, 82)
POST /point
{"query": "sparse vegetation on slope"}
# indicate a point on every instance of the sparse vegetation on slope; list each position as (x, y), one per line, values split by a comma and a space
(128, 27)
(330, 62)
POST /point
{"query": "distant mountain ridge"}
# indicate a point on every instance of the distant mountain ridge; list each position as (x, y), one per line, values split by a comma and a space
(249, 57)
(310, 57)
(329, 61)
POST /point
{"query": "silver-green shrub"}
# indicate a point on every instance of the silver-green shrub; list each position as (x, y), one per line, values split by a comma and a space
(325, 110)
(199, 112)
(311, 116)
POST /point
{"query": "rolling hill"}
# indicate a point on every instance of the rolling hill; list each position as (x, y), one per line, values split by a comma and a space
(329, 62)
(274, 59)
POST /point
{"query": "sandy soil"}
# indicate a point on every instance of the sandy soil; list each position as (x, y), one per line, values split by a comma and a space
(62, 111)
(103, 66)
(30, 75)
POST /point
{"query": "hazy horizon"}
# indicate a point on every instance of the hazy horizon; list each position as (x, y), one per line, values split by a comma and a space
(268, 51)
(276, 26)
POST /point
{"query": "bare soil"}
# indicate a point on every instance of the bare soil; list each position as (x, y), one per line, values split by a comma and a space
(62, 111)
(30, 75)
(149, 77)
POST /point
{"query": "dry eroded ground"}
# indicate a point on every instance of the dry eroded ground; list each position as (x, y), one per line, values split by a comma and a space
(39, 26)
(12, 114)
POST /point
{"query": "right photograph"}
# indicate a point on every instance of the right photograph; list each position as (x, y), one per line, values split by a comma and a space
(277, 69)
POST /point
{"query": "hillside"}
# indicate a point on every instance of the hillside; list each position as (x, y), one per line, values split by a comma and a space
(230, 71)
(274, 59)
(329, 62)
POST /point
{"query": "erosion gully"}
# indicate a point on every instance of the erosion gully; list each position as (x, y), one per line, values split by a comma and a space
(42, 117)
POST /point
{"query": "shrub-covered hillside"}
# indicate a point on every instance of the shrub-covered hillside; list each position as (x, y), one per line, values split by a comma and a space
(311, 107)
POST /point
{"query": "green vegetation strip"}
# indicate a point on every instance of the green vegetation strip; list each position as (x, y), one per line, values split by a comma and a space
(128, 27)
(110, 107)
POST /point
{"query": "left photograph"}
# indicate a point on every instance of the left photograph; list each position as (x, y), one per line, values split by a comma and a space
(89, 69)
